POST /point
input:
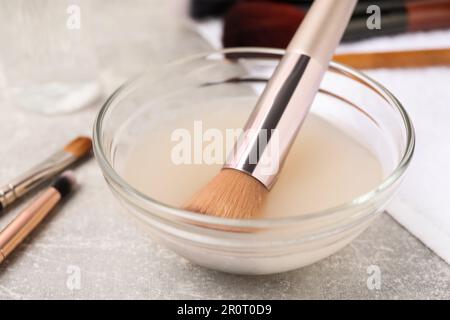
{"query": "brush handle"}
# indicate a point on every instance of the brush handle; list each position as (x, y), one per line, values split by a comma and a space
(34, 177)
(321, 30)
(287, 98)
(15, 232)
(396, 59)
(26, 221)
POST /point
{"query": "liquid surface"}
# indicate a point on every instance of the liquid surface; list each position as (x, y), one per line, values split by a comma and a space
(325, 166)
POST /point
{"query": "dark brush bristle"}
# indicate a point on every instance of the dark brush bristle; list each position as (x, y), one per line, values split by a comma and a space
(200, 9)
(261, 24)
(64, 184)
(272, 23)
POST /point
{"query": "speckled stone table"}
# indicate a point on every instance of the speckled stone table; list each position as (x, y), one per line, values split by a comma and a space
(90, 249)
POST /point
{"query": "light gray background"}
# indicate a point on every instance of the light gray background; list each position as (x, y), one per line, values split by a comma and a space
(115, 257)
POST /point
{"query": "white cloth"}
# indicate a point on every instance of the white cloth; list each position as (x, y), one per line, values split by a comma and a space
(423, 203)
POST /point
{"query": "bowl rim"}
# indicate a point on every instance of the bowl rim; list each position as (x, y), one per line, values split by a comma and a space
(205, 220)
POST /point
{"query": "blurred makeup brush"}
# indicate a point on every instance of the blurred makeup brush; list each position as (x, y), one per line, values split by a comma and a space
(30, 180)
(200, 9)
(239, 189)
(396, 59)
(360, 9)
(382, 59)
(261, 24)
(15, 232)
(272, 24)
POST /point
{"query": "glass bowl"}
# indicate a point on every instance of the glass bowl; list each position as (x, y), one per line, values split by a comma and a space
(350, 100)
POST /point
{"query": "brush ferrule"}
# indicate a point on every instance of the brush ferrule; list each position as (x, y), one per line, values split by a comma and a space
(277, 118)
(35, 176)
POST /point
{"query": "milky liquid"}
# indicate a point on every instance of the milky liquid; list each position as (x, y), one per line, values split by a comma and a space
(325, 167)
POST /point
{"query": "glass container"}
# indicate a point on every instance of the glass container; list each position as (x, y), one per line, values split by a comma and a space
(348, 99)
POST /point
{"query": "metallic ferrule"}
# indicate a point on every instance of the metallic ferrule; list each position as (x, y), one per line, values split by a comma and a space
(277, 118)
(35, 176)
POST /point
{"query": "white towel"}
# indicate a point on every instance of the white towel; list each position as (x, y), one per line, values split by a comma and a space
(423, 203)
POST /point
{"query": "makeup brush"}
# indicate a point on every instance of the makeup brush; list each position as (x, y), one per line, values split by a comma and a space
(272, 24)
(200, 9)
(239, 190)
(33, 178)
(421, 15)
(360, 9)
(261, 24)
(361, 6)
(382, 59)
(396, 59)
(15, 232)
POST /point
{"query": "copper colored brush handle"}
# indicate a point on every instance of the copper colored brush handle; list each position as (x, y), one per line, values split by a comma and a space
(396, 59)
(26, 222)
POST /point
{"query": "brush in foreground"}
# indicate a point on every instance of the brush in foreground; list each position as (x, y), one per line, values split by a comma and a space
(230, 194)
(75, 150)
(19, 228)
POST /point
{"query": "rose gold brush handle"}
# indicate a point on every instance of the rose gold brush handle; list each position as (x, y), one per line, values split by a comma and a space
(286, 100)
(26, 222)
(321, 30)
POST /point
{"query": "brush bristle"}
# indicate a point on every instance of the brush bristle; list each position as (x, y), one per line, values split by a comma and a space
(65, 183)
(230, 194)
(261, 24)
(79, 147)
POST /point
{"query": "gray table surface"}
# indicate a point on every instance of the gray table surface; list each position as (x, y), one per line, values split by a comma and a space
(91, 239)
